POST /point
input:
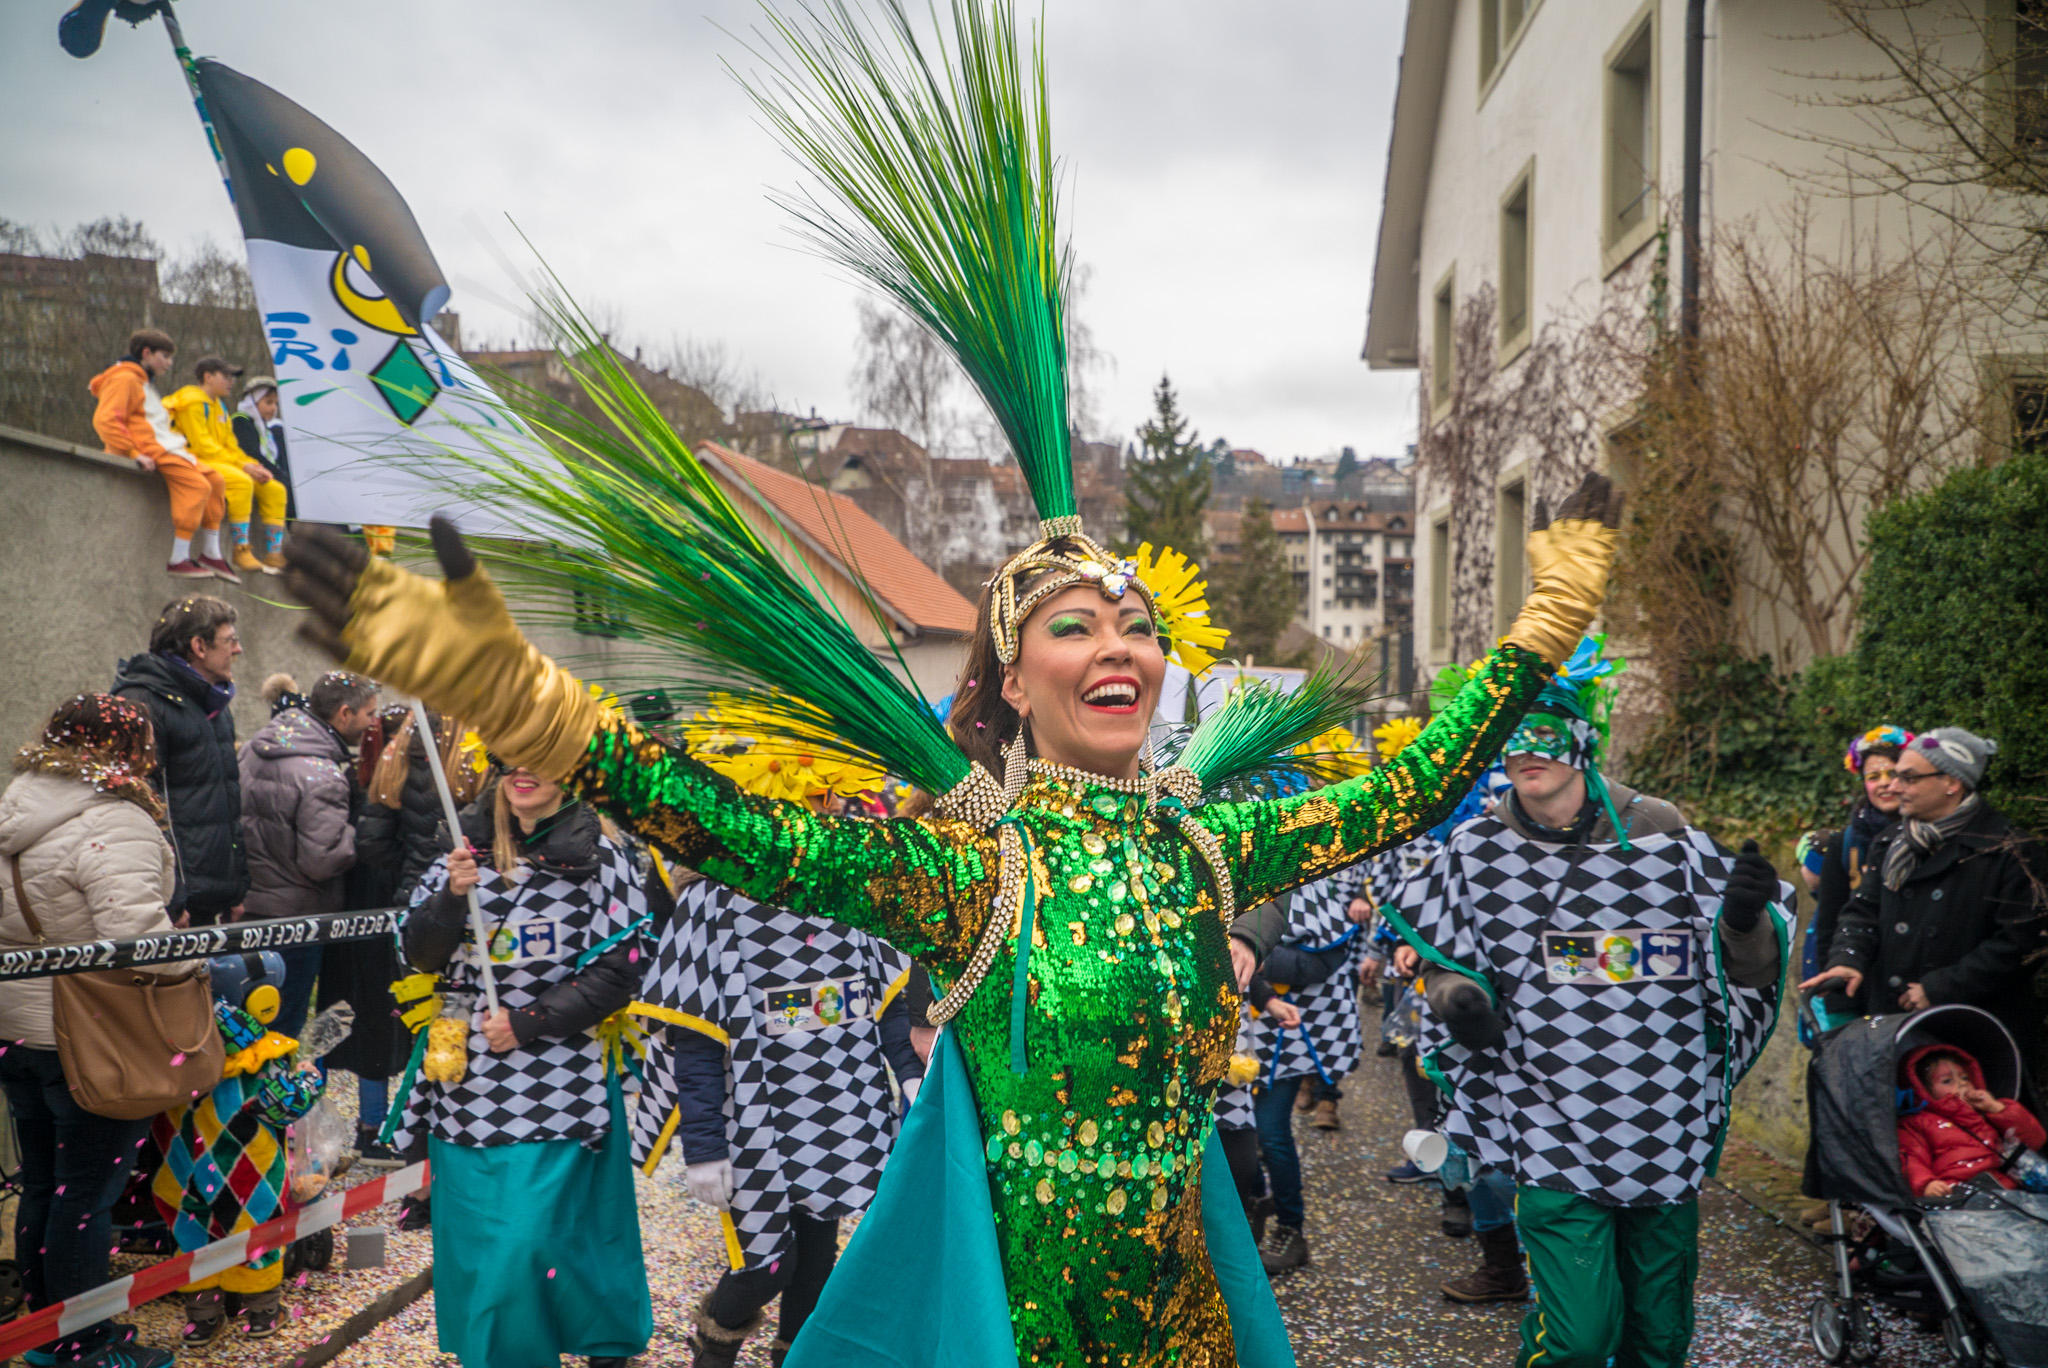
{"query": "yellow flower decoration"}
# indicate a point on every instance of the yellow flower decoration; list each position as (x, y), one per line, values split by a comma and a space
(733, 740)
(1180, 599)
(1336, 754)
(1394, 735)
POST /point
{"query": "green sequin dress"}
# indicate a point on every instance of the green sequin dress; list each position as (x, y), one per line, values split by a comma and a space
(1129, 1007)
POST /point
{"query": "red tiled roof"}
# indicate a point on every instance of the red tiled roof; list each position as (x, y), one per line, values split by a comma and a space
(841, 530)
(1290, 520)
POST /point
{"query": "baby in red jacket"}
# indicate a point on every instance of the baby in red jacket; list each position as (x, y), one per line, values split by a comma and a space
(1963, 1131)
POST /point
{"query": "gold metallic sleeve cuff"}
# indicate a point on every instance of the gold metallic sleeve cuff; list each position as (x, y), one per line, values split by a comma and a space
(454, 644)
(1568, 565)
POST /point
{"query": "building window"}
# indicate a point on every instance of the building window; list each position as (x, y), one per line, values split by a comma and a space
(1347, 631)
(2030, 416)
(1510, 572)
(1443, 348)
(1326, 626)
(1440, 586)
(1500, 27)
(1631, 151)
(1516, 238)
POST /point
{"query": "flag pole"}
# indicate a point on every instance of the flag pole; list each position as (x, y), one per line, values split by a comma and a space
(425, 731)
(185, 64)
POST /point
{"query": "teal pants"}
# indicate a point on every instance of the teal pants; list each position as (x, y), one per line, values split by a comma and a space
(1611, 1283)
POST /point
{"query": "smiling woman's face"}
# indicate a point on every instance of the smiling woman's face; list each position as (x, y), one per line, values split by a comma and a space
(1087, 679)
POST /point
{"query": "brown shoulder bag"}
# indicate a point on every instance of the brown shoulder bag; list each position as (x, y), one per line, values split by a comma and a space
(132, 1044)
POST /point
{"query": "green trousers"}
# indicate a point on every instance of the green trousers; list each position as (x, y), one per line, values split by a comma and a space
(1611, 1283)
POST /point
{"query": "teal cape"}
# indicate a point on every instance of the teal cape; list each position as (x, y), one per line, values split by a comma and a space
(537, 1251)
(921, 1282)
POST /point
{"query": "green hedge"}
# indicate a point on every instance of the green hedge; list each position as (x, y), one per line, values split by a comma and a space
(1953, 627)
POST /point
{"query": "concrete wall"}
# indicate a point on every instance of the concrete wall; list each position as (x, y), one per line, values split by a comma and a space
(85, 539)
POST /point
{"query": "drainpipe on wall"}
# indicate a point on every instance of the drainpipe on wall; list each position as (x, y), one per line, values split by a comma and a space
(1689, 204)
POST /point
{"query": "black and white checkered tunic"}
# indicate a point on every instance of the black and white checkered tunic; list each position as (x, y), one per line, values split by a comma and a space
(1614, 1090)
(539, 930)
(1234, 1100)
(1330, 1039)
(809, 1114)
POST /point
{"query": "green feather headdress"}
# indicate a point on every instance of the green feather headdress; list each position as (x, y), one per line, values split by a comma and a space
(940, 190)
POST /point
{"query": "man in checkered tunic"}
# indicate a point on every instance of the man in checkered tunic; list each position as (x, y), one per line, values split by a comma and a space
(1603, 976)
(771, 1072)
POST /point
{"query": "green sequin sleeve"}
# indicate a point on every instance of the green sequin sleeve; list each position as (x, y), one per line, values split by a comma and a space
(1274, 846)
(924, 885)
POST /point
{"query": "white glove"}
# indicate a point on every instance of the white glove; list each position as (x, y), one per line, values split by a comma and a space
(710, 1183)
(910, 1091)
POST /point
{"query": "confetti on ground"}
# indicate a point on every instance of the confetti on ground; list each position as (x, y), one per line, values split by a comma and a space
(1369, 1299)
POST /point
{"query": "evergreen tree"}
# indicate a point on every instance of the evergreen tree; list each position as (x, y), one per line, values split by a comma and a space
(1166, 489)
(1347, 463)
(1255, 594)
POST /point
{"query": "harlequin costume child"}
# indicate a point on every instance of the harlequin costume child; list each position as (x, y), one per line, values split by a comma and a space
(537, 1247)
(772, 1077)
(1598, 993)
(224, 1157)
(1045, 1202)
(1946, 1136)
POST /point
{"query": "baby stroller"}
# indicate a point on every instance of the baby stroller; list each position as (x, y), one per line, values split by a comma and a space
(1976, 1262)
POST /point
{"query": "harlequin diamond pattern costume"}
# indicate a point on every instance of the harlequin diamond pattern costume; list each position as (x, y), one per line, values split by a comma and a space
(1627, 1000)
(1046, 1202)
(795, 1003)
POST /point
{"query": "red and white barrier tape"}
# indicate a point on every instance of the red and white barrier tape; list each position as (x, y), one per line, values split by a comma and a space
(125, 1294)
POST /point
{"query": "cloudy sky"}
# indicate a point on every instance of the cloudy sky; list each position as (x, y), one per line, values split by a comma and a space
(1224, 166)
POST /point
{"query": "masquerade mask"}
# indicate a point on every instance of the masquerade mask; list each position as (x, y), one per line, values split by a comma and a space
(1567, 740)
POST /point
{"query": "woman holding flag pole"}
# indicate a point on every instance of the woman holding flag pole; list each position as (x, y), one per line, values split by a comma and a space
(539, 909)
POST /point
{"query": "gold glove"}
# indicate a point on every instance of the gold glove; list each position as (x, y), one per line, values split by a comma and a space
(1568, 564)
(453, 643)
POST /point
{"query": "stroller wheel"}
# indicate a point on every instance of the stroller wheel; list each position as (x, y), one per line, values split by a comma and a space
(1828, 1326)
(316, 1251)
(1865, 1340)
(13, 1291)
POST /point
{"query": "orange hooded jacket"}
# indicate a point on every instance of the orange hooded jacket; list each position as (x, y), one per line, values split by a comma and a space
(121, 419)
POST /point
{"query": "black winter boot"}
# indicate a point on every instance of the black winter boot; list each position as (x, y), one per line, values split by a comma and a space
(1500, 1278)
(717, 1346)
(1457, 1214)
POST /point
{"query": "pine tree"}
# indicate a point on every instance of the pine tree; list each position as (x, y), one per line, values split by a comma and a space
(1166, 489)
(1255, 593)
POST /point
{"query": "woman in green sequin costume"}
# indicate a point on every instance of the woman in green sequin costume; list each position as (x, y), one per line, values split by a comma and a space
(1094, 1150)
(1082, 914)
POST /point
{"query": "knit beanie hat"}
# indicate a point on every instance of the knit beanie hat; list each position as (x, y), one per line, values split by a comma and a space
(1956, 753)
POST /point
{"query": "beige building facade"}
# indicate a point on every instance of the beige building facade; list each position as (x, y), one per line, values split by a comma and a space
(1537, 154)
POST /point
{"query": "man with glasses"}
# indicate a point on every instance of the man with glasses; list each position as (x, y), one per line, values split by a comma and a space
(185, 680)
(1948, 910)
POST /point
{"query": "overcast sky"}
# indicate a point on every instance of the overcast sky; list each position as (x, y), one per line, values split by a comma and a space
(1224, 167)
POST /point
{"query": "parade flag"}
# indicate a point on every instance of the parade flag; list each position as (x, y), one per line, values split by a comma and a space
(377, 407)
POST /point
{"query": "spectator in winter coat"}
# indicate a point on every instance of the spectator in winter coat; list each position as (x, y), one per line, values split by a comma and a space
(81, 826)
(201, 414)
(1948, 910)
(131, 421)
(1960, 1130)
(185, 682)
(299, 809)
(395, 842)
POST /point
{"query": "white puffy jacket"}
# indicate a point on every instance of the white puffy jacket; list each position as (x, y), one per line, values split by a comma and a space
(95, 868)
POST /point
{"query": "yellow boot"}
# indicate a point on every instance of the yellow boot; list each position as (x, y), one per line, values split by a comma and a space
(245, 560)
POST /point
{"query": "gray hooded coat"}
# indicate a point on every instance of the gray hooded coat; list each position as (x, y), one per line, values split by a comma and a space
(297, 801)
